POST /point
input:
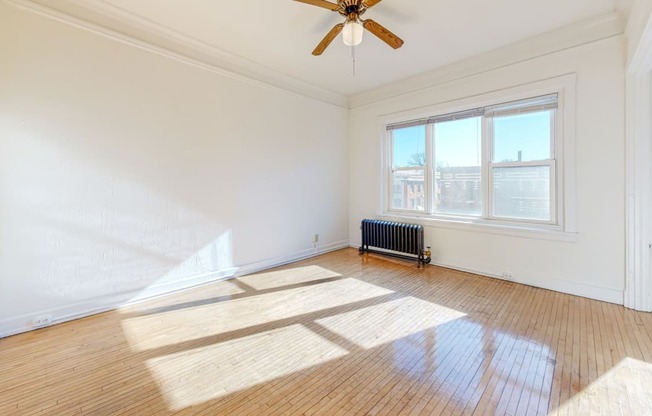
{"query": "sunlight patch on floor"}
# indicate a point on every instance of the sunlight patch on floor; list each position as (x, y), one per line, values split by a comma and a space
(168, 328)
(270, 280)
(399, 318)
(625, 386)
(199, 375)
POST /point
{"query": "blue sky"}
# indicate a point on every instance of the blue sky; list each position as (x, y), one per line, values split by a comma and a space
(528, 132)
(457, 143)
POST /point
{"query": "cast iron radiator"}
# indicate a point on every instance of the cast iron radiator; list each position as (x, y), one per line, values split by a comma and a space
(396, 237)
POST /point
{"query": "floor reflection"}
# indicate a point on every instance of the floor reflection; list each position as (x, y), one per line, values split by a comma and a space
(338, 335)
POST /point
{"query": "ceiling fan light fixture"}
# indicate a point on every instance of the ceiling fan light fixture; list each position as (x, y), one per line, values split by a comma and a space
(352, 33)
(353, 27)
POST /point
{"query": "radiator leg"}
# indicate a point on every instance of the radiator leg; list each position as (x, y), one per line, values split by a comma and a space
(424, 258)
(426, 255)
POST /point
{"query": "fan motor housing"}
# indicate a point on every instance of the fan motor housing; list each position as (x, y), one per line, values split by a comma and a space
(351, 9)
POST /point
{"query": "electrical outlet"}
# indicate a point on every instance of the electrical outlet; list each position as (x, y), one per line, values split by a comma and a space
(315, 238)
(507, 276)
(42, 320)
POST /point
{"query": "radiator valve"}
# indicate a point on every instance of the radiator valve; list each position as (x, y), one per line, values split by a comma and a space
(427, 253)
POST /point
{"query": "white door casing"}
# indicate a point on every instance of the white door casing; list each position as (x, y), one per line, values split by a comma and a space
(638, 285)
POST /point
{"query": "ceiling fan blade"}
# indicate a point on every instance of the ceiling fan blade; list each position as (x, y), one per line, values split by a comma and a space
(371, 3)
(383, 34)
(321, 3)
(328, 39)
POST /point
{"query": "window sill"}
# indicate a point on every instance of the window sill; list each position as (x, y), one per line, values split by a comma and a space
(485, 226)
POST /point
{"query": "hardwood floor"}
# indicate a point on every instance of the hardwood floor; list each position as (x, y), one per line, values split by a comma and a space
(339, 335)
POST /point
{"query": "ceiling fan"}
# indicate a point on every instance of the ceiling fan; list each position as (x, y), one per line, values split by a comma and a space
(353, 27)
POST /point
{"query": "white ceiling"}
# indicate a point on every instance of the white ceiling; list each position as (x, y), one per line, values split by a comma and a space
(280, 34)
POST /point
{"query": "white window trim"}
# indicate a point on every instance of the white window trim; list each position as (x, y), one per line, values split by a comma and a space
(565, 203)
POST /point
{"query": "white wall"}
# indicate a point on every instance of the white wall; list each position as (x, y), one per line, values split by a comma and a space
(124, 173)
(593, 266)
(637, 21)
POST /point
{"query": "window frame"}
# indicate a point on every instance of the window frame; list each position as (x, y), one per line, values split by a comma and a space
(562, 225)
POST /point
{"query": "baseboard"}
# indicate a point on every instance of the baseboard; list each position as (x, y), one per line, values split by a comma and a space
(23, 323)
(94, 306)
(156, 291)
(300, 255)
(570, 287)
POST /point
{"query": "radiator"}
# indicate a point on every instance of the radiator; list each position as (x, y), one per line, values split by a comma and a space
(396, 237)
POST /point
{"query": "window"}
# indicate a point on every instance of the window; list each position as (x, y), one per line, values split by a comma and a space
(495, 163)
(408, 167)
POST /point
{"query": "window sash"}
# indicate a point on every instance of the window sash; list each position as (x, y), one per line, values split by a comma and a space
(551, 165)
(491, 139)
(392, 184)
(391, 153)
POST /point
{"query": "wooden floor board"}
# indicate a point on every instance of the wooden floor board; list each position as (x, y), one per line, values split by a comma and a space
(339, 335)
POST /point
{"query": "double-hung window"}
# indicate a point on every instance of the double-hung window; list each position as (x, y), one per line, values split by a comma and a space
(494, 163)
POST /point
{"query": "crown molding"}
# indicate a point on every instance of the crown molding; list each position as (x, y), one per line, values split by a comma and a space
(111, 22)
(116, 24)
(571, 36)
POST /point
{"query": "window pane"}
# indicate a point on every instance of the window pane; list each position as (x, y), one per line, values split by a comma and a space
(409, 146)
(458, 151)
(408, 190)
(522, 192)
(522, 137)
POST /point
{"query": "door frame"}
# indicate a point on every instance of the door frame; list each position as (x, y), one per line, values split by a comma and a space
(638, 142)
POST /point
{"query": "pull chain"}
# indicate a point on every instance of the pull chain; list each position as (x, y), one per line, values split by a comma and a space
(353, 59)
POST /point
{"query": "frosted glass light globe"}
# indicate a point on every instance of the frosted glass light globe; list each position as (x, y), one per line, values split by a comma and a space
(352, 33)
